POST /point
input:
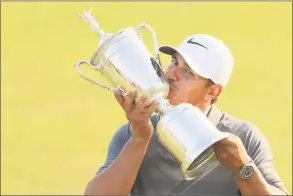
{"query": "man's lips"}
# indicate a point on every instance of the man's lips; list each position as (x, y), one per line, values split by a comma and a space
(171, 89)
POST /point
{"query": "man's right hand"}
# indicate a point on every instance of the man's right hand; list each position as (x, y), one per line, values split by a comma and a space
(138, 114)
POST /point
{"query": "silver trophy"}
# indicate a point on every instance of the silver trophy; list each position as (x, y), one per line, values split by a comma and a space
(123, 59)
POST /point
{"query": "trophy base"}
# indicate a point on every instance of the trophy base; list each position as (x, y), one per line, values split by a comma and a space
(201, 165)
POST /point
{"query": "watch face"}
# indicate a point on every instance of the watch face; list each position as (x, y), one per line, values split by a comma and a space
(247, 171)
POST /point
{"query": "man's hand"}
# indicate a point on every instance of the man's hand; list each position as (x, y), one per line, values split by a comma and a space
(138, 114)
(232, 154)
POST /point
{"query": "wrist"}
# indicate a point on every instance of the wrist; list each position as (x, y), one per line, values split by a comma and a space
(142, 132)
(138, 141)
(246, 171)
(140, 125)
(238, 165)
(255, 184)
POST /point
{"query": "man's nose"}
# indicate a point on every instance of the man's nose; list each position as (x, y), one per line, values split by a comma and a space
(172, 74)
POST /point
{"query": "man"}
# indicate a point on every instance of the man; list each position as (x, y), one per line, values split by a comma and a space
(137, 163)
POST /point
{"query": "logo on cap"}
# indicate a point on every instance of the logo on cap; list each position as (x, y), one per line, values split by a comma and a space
(192, 42)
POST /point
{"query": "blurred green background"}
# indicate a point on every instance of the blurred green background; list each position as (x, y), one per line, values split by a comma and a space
(56, 126)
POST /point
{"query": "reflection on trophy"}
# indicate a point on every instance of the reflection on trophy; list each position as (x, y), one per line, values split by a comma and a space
(123, 59)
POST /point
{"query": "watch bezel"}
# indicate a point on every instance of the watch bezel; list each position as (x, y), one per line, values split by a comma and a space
(243, 173)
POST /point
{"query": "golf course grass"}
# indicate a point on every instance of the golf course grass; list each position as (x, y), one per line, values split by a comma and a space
(56, 126)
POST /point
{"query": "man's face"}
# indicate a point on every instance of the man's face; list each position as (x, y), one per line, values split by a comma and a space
(185, 85)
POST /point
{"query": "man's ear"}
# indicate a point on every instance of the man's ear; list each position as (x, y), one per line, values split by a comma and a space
(213, 92)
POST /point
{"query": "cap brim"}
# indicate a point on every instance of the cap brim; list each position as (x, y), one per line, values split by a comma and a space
(167, 49)
(170, 50)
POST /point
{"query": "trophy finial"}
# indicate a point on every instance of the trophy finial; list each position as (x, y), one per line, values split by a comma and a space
(94, 24)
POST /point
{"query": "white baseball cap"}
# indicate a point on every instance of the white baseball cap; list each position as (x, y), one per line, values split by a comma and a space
(206, 55)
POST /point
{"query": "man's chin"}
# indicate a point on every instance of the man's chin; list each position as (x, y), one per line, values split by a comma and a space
(172, 100)
(169, 97)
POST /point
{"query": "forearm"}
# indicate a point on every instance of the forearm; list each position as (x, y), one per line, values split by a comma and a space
(120, 176)
(257, 185)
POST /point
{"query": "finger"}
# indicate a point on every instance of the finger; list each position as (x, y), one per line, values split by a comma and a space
(218, 146)
(119, 98)
(141, 104)
(129, 100)
(153, 106)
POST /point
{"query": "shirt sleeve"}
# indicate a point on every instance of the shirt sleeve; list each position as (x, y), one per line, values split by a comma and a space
(117, 143)
(259, 150)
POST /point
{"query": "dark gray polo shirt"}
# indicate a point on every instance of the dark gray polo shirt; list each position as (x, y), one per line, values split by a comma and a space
(160, 174)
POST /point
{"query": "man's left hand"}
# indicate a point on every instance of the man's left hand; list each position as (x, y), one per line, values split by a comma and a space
(231, 153)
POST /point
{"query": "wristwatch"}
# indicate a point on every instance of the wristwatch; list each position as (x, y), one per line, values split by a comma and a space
(246, 171)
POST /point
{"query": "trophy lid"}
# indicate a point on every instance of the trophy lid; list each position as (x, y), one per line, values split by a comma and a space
(96, 27)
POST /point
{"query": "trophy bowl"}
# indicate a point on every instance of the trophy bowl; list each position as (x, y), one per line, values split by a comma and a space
(124, 60)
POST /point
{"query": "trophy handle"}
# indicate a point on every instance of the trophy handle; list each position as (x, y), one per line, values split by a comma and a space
(88, 78)
(144, 25)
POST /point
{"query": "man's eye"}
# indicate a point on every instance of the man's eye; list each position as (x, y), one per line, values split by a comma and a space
(175, 62)
(188, 71)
